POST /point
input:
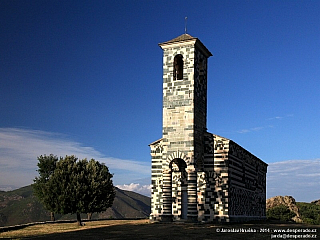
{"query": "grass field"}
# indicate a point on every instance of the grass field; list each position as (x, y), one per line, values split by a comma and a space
(143, 229)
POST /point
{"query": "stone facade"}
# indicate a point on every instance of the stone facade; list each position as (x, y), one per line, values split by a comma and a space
(196, 175)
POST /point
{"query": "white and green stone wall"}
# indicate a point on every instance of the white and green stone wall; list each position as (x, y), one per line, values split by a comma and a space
(190, 179)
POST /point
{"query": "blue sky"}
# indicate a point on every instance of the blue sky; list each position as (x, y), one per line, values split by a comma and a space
(85, 78)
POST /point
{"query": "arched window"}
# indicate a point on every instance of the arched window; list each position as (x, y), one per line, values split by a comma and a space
(178, 67)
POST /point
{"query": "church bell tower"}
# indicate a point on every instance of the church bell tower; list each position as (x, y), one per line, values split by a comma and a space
(185, 97)
(179, 154)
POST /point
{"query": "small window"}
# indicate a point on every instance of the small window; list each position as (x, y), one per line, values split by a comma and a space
(178, 67)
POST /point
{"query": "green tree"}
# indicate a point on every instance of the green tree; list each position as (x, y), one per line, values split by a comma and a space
(80, 186)
(99, 181)
(280, 212)
(310, 213)
(46, 166)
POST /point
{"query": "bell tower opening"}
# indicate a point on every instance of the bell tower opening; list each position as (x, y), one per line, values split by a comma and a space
(178, 67)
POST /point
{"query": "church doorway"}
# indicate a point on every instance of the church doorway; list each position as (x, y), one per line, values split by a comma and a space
(184, 204)
(179, 186)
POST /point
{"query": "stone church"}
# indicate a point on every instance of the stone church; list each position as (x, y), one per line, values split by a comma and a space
(197, 175)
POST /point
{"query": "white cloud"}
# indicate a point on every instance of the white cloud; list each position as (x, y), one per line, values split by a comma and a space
(254, 129)
(280, 117)
(243, 131)
(136, 187)
(297, 178)
(309, 174)
(20, 148)
(275, 118)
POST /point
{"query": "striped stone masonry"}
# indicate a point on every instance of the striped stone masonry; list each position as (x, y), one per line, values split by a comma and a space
(197, 175)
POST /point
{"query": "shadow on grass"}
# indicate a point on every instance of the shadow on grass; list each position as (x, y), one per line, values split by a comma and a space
(179, 231)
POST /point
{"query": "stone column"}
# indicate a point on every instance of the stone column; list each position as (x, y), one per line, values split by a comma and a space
(192, 196)
(167, 196)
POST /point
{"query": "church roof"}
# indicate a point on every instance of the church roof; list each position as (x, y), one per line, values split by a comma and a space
(182, 37)
(234, 143)
(155, 142)
(217, 136)
(186, 38)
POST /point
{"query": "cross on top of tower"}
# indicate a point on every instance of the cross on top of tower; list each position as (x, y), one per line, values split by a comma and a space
(185, 25)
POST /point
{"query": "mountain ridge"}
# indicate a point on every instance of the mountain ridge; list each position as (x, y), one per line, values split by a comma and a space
(21, 206)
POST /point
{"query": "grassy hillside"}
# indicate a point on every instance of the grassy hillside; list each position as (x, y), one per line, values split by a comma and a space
(20, 206)
(310, 212)
(128, 205)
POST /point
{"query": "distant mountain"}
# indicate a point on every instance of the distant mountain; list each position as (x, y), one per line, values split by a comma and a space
(7, 188)
(21, 206)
